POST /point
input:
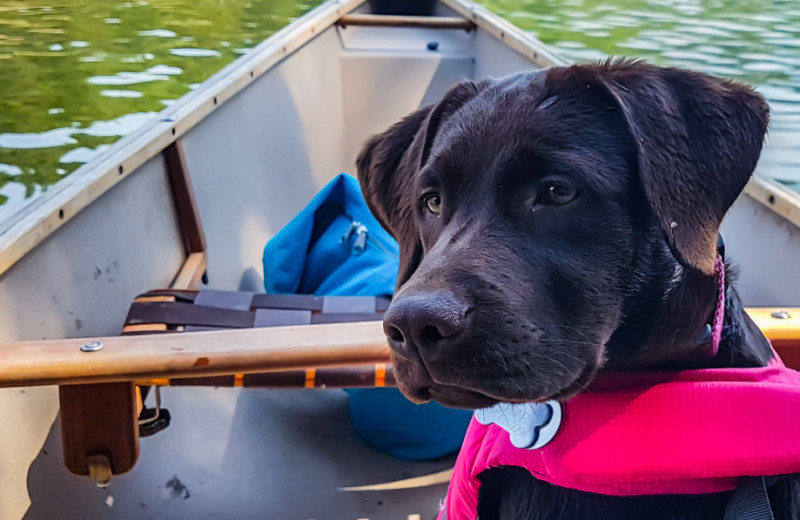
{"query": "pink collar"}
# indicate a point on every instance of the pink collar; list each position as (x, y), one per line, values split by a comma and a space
(719, 312)
(688, 432)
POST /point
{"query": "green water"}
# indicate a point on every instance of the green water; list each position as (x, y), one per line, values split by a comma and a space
(76, 76)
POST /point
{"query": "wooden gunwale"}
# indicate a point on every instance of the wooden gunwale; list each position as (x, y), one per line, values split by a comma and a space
(775, 196)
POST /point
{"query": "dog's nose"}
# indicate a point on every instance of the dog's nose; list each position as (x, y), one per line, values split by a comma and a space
(422, 321)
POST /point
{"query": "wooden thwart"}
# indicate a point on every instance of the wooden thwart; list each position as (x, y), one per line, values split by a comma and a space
(196, 354)
(427, 22)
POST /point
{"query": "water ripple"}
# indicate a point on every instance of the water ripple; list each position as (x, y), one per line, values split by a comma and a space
(158, 33)
(757, 42)
(126, 78)
(191, 52)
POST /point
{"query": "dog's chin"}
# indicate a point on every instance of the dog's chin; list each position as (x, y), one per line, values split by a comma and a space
(452, 397)
(417, 385)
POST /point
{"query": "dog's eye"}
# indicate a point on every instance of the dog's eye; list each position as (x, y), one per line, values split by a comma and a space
(433, 202)
(556, 193)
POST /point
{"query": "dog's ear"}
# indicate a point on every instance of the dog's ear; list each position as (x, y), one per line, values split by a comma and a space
(698, 138)
(388, 164)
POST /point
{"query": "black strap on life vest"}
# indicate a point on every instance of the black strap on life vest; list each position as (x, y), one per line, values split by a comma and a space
(749, 501)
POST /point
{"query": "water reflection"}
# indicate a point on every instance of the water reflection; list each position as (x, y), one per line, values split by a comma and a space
(76, 76)
(756, 41)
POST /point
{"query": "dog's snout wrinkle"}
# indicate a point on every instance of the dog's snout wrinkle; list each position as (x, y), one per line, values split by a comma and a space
(460, 232)
(423, 322)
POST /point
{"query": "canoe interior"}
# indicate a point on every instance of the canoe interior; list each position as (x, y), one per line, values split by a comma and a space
(255, 161)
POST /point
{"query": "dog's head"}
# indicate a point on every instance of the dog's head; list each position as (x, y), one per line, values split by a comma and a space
(546, 220)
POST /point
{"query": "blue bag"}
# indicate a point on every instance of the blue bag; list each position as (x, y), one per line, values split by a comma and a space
(335, 247)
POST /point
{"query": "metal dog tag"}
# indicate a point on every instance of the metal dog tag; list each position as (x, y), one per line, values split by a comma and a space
(529, 425)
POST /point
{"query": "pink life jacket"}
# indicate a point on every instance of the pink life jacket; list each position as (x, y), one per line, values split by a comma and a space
(688, 432)
(650, 433)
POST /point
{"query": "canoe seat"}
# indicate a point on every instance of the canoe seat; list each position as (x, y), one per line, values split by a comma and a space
(381, 417)
(172, 311)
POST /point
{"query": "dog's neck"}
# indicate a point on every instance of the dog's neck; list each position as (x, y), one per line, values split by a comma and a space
(672, 332)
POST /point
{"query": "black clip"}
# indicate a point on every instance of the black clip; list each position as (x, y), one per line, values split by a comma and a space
(153, 420)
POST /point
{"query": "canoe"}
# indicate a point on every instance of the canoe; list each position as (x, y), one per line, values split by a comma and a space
(190, 199)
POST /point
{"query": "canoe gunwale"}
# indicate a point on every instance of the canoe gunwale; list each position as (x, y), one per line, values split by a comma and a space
(776, 197)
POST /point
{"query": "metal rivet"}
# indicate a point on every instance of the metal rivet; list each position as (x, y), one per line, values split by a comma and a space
(781, 315)
(92, 346)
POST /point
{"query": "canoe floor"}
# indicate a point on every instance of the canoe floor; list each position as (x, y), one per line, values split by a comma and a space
(242, 454)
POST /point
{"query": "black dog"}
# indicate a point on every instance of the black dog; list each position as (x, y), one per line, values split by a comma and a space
(557, 223)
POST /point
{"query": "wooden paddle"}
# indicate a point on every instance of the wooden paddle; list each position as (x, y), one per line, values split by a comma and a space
(195, 354)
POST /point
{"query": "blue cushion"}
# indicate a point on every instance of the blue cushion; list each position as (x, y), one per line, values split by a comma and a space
(335, 247)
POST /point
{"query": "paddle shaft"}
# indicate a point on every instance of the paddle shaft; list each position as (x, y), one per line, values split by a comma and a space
(195, 354)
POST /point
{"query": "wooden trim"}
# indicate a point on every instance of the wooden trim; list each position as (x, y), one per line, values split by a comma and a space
(426, 22)
(183, 197)
(25, 230)
(191, 272)
(194, 354)
(777, 329)
(155, 298)
(144, 327)
(776, 197)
